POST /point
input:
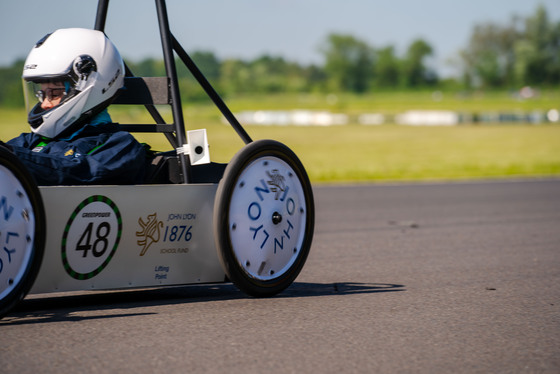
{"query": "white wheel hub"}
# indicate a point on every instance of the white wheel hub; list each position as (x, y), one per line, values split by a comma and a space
(17, 225)
(267, 218)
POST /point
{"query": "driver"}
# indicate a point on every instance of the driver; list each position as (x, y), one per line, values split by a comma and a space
(70, 78)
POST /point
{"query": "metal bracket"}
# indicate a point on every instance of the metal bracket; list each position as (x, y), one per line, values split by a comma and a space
(197, 147)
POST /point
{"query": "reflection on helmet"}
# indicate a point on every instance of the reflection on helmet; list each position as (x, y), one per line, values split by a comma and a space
(90, 69)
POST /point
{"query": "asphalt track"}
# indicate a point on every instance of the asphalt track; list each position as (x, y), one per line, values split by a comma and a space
(426, 278)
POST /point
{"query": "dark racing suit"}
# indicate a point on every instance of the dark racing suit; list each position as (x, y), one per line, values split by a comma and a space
(98, 153)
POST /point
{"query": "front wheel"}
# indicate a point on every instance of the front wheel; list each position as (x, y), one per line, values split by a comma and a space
(264, 218)
(22, 231)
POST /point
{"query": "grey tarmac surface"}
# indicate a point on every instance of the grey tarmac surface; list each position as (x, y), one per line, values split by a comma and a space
(423, 278)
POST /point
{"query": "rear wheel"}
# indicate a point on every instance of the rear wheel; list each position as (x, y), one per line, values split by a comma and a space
(264, 218)
(22, 231)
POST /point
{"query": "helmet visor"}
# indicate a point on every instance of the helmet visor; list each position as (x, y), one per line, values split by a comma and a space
(48, 94)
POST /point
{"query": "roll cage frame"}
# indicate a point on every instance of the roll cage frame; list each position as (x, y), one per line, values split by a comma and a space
(151, 91)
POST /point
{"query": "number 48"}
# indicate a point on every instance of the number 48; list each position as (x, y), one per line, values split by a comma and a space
(99, 245)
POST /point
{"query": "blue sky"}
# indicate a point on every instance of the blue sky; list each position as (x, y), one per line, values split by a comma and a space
(294, 29)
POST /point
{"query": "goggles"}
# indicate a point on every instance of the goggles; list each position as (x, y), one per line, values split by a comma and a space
(50, 94)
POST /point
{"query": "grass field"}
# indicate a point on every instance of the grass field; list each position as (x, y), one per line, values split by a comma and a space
(356, 153)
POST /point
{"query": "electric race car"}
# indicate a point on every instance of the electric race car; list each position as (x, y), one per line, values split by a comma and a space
(250, 221)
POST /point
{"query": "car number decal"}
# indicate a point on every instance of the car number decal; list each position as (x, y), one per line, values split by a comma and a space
(91, 237)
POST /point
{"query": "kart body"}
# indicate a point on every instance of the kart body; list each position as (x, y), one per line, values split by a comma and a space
(250, 221)
(105, 237)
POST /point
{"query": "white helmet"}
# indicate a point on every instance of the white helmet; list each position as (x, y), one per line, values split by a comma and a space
(91, 69)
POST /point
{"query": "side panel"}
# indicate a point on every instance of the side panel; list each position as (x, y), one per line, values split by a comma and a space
(107, 237)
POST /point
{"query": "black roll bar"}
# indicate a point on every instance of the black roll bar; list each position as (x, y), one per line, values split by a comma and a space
(101, 16)
(201, 79)
(171, 70)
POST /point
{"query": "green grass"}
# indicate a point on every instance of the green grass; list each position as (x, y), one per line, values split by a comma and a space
(395, 153)
(356, 153)
(392, 102)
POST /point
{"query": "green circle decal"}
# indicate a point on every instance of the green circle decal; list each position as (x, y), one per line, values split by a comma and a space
(91, 237)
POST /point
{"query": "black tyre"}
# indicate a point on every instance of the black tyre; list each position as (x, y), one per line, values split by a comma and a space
(264, 218)
(22, 231)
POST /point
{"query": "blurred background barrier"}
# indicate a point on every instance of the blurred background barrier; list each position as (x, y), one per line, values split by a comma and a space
(410, 118)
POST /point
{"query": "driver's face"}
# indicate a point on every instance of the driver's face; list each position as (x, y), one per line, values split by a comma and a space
(53, 94)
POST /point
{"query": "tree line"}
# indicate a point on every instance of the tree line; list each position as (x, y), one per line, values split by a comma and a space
(524, 52)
